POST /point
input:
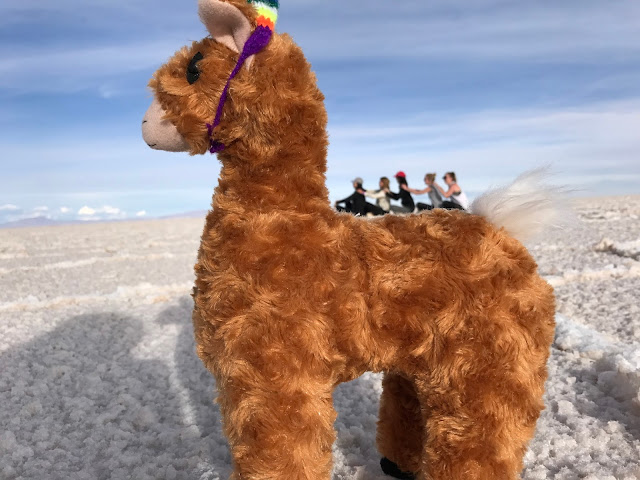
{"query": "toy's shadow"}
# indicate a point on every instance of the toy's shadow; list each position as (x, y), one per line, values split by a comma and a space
(92, 399)
(198, 386)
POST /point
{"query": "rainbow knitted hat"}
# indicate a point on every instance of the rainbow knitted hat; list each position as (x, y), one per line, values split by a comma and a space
(259, 39)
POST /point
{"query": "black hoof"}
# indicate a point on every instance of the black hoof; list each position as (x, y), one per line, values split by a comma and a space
(391, 469)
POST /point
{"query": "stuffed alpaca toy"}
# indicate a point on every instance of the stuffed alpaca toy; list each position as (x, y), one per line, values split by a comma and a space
(293, 298)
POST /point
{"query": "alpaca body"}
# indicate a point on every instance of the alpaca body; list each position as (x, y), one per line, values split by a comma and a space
(292, 298)
(291, 304)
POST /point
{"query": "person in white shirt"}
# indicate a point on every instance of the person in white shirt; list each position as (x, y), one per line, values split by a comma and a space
(455, 197)
(381, 195)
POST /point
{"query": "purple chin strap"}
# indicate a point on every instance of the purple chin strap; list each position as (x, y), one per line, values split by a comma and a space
(258, 40)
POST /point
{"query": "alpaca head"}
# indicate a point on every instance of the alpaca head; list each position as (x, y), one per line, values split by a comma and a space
(269, 90)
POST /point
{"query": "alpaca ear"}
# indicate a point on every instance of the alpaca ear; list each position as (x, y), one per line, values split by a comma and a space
(226, 23)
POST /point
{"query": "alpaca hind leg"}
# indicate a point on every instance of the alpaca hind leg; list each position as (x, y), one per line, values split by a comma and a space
(400, 426)
(478, 426)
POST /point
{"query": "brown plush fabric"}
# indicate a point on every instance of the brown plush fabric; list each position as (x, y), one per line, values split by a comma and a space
(293, 298)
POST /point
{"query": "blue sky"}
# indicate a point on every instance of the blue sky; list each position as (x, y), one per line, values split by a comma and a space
(486, 88)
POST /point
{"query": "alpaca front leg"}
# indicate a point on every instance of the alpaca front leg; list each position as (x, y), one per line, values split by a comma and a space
(278, 434)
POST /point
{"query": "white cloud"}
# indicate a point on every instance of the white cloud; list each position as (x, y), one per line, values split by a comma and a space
(141, 213)
(98, 64)
(65, 209)
(9, 207)
(41, 209)
(107, 92)
(610, 124)
(86, 211)
(442, 29)
(106, 212)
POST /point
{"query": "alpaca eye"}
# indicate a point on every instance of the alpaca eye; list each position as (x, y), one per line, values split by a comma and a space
(193, 73)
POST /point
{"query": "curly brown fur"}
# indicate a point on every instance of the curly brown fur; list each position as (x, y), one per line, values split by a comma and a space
(292, 298)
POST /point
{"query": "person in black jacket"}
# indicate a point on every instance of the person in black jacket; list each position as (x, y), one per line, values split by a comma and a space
(356, 203)
(406, 200)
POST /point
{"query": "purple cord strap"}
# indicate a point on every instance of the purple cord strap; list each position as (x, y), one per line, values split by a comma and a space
(258, 40)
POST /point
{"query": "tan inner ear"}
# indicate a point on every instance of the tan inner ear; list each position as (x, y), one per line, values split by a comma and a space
(225, 23)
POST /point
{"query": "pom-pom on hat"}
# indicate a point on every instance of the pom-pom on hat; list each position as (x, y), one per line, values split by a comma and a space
(267, 12)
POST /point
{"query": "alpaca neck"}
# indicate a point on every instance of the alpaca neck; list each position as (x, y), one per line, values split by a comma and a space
(276, 158)
(294, 183)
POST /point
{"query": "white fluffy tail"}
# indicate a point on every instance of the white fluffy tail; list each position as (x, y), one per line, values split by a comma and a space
(527, 207)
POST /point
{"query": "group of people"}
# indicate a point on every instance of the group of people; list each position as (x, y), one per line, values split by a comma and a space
(453, 197)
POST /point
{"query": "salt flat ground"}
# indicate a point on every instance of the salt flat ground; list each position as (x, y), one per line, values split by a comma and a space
(99, 379)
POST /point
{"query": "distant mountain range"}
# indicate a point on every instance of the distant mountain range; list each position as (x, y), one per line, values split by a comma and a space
(42, 221)
(195, 214)
(33, 222)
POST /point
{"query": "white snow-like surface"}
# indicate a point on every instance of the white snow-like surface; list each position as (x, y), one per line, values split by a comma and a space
(99, 379)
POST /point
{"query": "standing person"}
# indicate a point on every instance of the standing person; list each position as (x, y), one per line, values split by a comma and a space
(455, 197)
(408, 205)
(356, 203)
(434, 195)
(381, 195)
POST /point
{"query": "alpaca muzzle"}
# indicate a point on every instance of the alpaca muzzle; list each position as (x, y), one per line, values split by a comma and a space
(161, 134)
